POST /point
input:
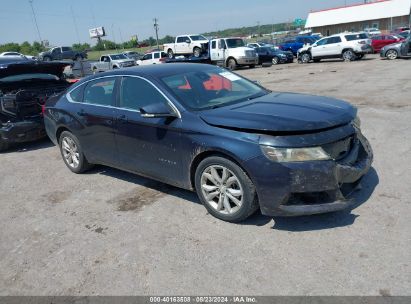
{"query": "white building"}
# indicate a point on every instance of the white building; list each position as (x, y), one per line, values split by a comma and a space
(383, 14)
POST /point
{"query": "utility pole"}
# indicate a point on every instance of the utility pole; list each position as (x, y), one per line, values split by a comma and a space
(35, 21)
(156, 29)
(75, 24)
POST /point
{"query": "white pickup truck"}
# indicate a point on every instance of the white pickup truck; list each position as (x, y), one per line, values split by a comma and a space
(111, 62)
(187, 45)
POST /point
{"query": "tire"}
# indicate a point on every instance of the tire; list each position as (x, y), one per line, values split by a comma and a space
(234, 199)
(197, 52)
(348, 55)
(170, 54)
(391, 54)
(47, 58)
(3, 145)
(276, 60)
(94, 70)
(72, 153)
(305, 58)
(232, 64)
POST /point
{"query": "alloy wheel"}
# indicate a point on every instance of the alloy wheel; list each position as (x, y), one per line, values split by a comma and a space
(70, 152)
(392, 54)
(222, 189)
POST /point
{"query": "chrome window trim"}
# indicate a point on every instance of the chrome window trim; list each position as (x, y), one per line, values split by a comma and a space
(171, 104)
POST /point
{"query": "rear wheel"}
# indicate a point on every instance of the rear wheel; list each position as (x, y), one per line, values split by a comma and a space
(392, 54)
(197, 52)
(348, 55)
(225, 189)
(232, 64)
(72, 153)
(47, 58)
(170, 54)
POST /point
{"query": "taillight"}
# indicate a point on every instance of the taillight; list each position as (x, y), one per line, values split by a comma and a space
(43, 109)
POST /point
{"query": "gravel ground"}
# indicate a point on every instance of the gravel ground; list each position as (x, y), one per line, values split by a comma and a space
(112, 233)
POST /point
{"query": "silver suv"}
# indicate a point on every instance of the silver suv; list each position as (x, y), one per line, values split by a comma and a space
(347, 46)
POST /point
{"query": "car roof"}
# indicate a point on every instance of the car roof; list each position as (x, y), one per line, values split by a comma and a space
(154, 70)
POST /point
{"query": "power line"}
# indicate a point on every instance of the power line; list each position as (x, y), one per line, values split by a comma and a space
(35, 20)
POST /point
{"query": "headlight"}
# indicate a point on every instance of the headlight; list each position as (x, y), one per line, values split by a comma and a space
(357, 122)
(283, 155)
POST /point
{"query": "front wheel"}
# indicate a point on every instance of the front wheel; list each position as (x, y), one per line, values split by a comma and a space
(276, 60)
(392, 54)
(225, 189)
(72, 153)
(305, 58)
(232, 64)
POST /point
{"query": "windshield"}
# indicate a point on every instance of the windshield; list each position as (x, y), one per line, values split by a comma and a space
(34, 76)
(118, 57)
(198, 37)
(234, 43)
(211, 88)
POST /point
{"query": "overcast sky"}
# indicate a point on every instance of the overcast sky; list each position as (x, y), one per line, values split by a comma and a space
(124, 18)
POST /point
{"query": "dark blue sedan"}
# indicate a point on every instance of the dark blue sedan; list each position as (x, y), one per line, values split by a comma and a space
(201, 127)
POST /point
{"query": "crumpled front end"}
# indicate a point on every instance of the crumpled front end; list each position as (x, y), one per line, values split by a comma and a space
(313, 187)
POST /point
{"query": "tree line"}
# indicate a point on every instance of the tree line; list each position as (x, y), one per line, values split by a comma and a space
(36, 47)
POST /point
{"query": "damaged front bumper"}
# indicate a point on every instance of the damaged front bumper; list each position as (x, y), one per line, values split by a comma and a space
(314, 187)
(22, 131)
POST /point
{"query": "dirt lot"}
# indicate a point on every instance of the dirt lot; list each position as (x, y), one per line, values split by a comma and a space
(112, 233)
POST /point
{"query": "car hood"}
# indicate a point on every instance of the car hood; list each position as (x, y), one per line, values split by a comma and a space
(12, 68)
(282, 112)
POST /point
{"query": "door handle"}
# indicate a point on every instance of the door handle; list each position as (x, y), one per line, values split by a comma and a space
(122, 118)
(81, 113)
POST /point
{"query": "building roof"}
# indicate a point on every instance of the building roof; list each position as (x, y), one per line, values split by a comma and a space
(359, 12)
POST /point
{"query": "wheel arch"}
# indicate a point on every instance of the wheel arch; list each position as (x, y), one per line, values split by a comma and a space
(60, 130)
(209, 153)
(229, 58)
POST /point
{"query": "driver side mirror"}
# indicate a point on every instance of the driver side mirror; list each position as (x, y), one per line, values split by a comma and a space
(156, 110)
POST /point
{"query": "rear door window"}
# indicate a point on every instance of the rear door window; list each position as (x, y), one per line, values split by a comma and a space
(100, 92)
(356, 37)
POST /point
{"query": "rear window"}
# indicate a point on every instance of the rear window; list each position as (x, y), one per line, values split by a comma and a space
(356, 37)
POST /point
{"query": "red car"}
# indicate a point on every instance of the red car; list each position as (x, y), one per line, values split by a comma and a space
(378, 42)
